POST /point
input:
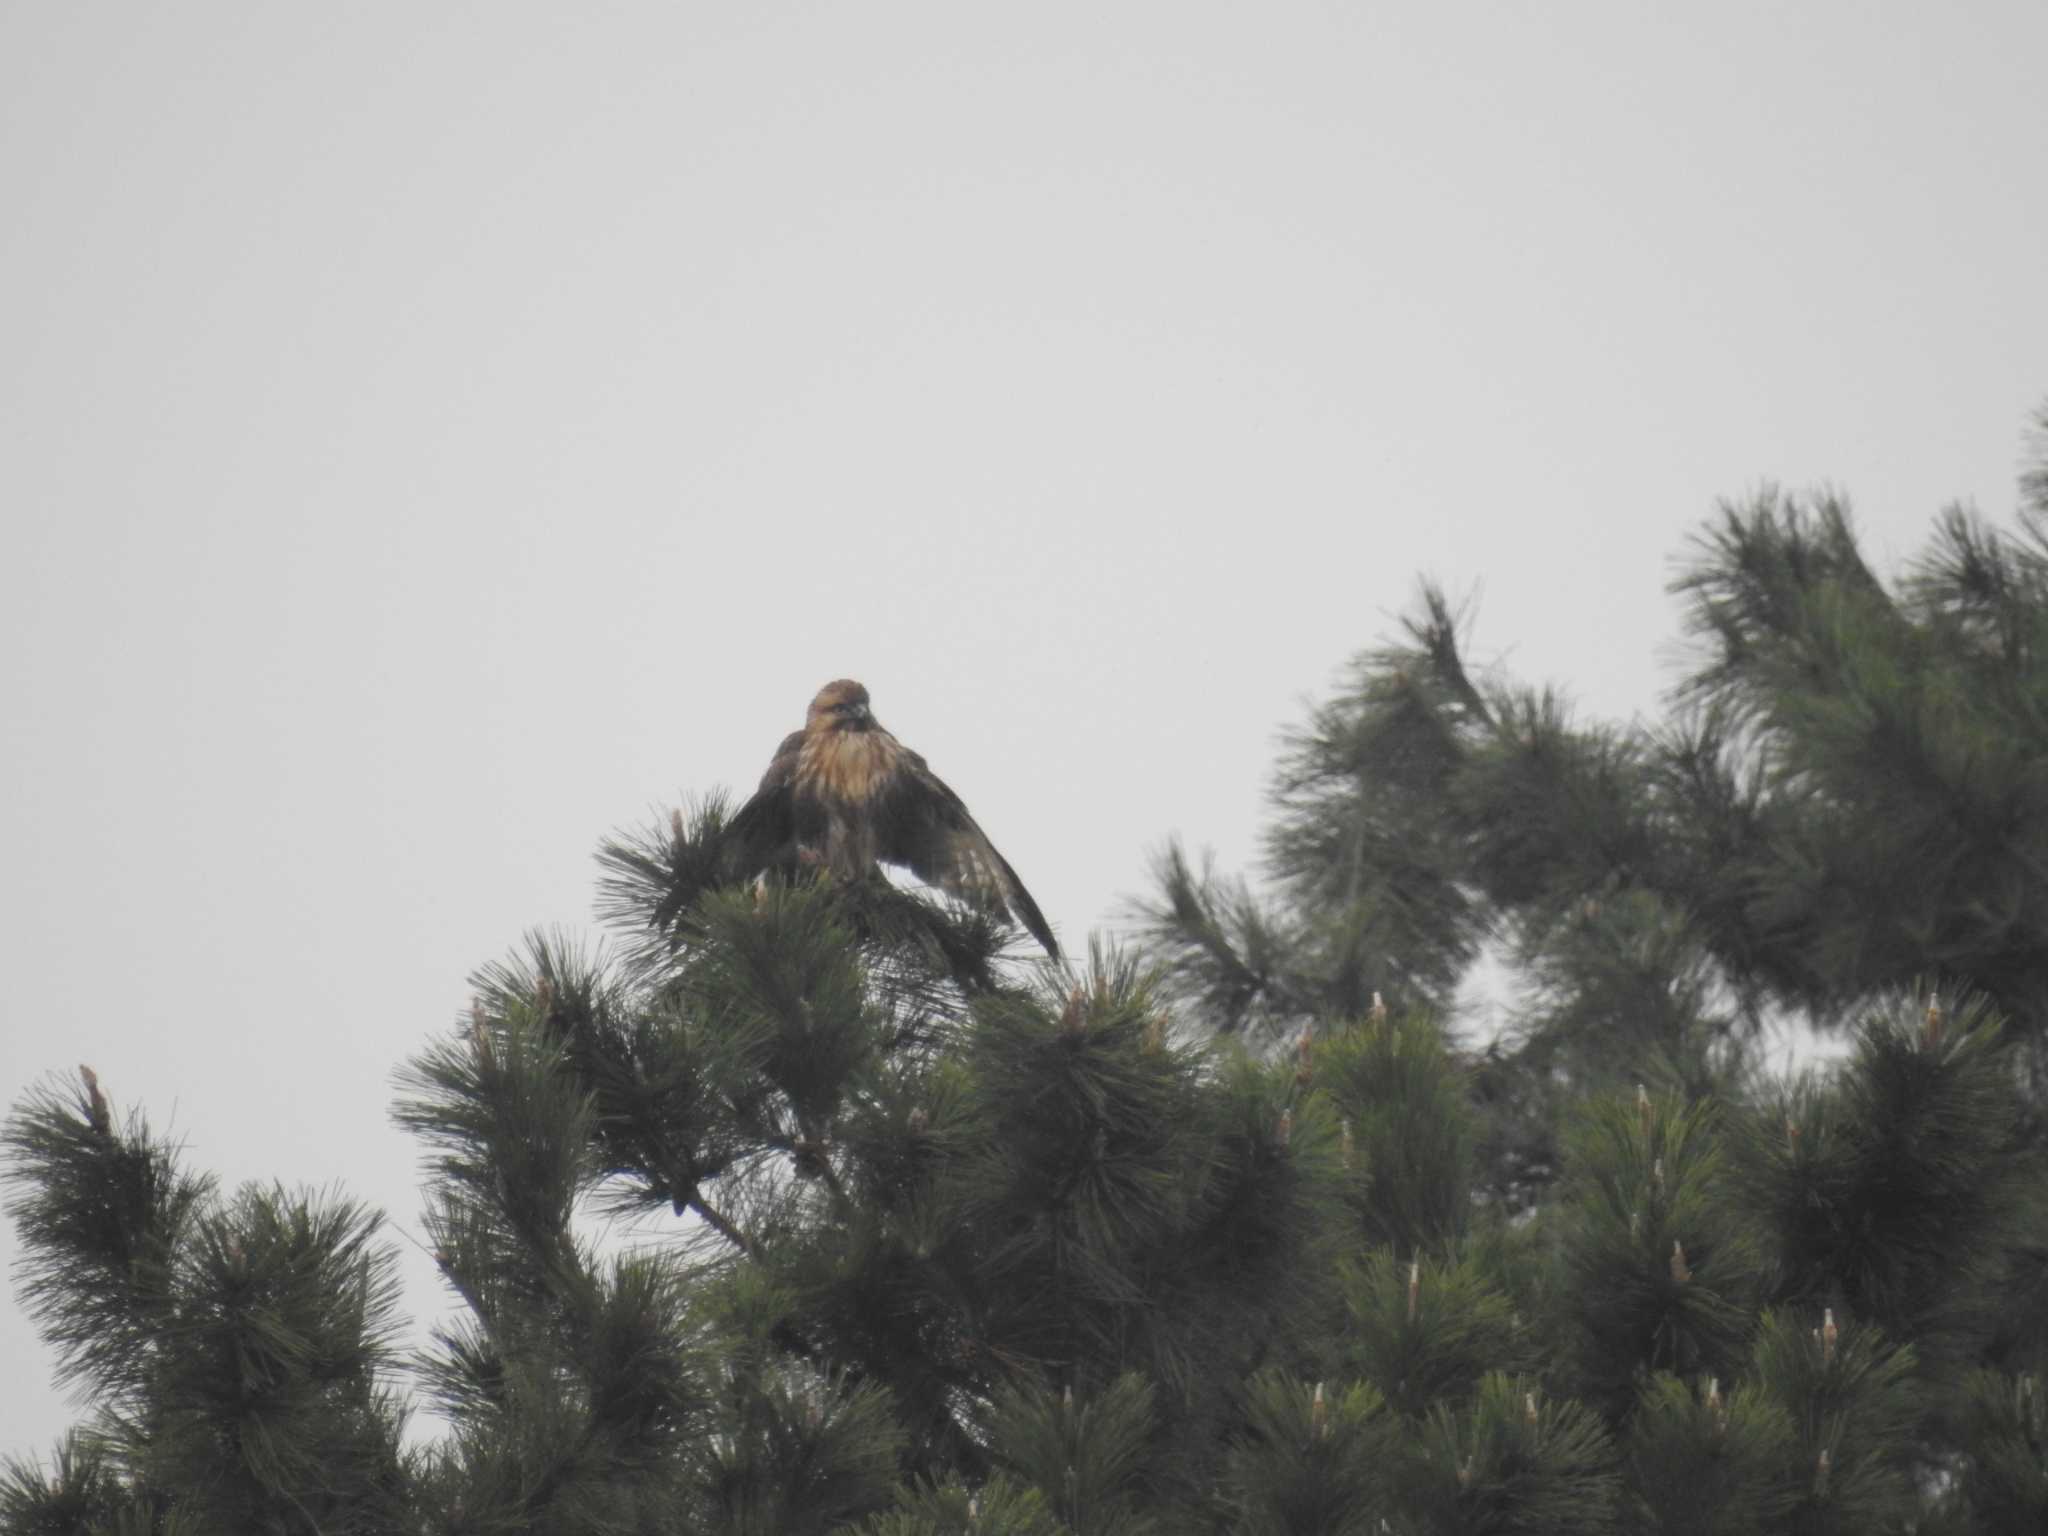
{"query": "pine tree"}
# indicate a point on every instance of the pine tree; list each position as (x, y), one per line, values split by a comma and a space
(238, 1350)
(1232, 1233)
(1846, 798)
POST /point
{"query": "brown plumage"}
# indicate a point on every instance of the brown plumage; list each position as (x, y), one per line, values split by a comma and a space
(844, 793)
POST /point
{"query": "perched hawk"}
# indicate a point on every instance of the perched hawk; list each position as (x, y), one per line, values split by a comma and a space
(844, 793)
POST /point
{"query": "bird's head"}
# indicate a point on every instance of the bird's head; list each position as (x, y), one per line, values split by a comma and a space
(840, 706)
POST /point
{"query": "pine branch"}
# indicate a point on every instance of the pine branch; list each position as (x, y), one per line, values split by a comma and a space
(102, 1214)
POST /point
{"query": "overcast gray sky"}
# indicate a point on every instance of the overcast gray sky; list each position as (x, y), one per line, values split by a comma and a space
(432, 435)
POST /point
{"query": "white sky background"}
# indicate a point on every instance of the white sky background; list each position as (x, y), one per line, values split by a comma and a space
(432, 436)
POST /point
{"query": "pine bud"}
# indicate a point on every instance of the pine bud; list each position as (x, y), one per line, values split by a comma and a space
(1319, 1415)
(1305, 1050)
(1345, 1144)
(101, 1116)
(1635, 1223)
(973, 1510)
(919, 1119)
(1657, 1175)
(1717, 1409)
(1067, 1399)
(1828, 1334)
(1529, 1413)
(1820, 1474)
(1465, 1473)
(1073, 1018)
(1414, 1289)
(1285, 1133)
(479, 1033)
(1379, 1009)
(1791, 1136)
(1930, 1035)
(1679, 1271)
(1155, 1034)
(1643, 1112)
(814, 1409)
(544, 997)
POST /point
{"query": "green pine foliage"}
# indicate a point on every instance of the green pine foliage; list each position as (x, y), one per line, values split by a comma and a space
(2005, 1482)
(997, 1507)
(1513, 1460)
(1904, 1189)
(241, 1351)
(810, 1206)
(1851, 1394)
(1656, 1269)
(1308, 1460)
(1405, 1129)
(1085, 1455)
(1424, 1332)
(1701, 1461)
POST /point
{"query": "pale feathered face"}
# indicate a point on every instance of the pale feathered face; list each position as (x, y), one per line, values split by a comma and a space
(840, 706)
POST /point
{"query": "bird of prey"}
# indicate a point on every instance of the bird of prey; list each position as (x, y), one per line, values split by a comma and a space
(844, 793)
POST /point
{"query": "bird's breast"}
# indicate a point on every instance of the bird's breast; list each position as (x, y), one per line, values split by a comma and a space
(846, 765)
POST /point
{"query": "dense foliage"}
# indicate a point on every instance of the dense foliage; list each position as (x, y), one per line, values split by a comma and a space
(1224, 1234)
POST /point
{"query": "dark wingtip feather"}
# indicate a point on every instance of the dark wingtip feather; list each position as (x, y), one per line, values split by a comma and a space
(1025, 910)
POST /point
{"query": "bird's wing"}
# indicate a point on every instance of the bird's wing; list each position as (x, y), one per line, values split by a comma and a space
(762, 833)
(921, 823)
